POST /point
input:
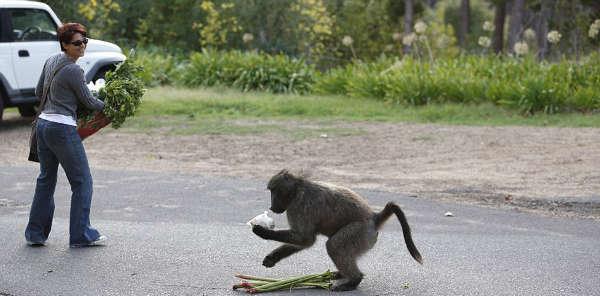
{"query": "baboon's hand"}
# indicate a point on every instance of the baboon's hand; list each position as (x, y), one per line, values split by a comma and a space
(260, 231)
(269, 261)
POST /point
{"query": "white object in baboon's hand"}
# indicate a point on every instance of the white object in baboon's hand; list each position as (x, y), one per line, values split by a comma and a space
(263, 220)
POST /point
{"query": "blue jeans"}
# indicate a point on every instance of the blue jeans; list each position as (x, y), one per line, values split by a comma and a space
(60, 144)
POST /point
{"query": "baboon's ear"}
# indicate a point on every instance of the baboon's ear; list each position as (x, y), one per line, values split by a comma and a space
(286, 174)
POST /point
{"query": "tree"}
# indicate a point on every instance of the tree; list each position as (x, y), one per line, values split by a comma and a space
(65, 10)
(542, 31)
(102, 15)
(314, 28)
(170, 24)
(463, 27)
(271, 23)
(499, 20)
(516, 23)
(408, 21)
(431, 3)
(218, 24)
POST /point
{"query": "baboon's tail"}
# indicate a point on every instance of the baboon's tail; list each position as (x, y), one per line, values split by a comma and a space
(392, 208)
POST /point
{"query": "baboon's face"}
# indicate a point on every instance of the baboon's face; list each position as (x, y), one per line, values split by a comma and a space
(282, 189)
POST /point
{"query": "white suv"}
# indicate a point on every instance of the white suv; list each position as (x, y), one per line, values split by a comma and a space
(27, 39)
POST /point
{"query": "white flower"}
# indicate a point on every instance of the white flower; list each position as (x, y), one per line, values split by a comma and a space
(247, 38)
(91, 86)
(521, 48)
(484, 41)
(488, 26)
(409, 39)
(389, 47)
(96, 87)
(420, 27)
(442, 41)
(594, 29)
(347, 40)
(554, 36)
(593, 32)
(100, 83)
(397, 36)
(263, 220)
(529, 34)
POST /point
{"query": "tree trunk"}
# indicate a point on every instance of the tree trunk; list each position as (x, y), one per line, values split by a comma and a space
(431, 3)
(499, 19)
(575, 33)
(516, 24)
(542, 32)
(463, 27)
(408, 21)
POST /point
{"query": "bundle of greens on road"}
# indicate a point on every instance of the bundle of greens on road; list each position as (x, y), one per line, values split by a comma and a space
(254, 284)
(122, 93)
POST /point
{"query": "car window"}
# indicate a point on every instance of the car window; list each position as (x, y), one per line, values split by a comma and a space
(32, 25)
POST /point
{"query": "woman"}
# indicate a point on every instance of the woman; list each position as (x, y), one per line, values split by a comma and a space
(59, 143)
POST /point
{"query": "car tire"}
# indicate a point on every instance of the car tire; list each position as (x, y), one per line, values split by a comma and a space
(1, 107)
(27, 110)
(102, 73)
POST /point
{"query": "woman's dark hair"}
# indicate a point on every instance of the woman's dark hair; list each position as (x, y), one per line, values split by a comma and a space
(66, 31)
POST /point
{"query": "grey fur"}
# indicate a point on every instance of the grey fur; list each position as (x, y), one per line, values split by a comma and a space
(337, 212)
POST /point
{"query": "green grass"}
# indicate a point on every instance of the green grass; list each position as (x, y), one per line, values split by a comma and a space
(11, 111)
(227, 111)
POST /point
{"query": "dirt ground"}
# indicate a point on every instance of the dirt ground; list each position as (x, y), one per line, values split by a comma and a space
(554, 171)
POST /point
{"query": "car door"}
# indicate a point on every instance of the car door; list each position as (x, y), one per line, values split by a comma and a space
(6, 68)
(33, 41)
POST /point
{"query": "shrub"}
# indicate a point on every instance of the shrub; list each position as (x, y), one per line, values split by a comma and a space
(159, 67)
(522, 84)
(248, 71)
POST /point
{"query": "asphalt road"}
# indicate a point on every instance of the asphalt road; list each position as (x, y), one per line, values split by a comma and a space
(185, 235)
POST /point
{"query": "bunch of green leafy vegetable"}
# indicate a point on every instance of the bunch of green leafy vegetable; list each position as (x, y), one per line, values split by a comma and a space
(254, 284)
(122, 93)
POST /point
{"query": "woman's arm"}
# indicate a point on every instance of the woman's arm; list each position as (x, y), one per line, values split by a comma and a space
(83, 94)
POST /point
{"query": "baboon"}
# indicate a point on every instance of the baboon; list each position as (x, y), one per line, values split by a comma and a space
(334, 211)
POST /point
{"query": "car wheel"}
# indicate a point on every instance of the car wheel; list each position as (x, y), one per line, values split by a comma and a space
(1, 107)
(102, 73)
(27, 110)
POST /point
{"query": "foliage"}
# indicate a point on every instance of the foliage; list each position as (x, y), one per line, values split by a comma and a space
(368, 23)
(522, 84)
(123, 92)
(169, 24)
(159, 67)
(248, 71)
(270, 22)
(440, 34)
(371, 63)
(480, 12)
(314, 27)
(101, 13)
(219, 22)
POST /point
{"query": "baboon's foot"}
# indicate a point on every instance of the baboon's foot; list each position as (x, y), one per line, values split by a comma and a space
(269, 261)
(346, 285)
(337, 275)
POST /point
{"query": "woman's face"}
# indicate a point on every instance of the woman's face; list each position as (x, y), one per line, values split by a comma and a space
(76, 48)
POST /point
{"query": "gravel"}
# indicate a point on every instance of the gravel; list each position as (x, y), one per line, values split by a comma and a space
(547, 170)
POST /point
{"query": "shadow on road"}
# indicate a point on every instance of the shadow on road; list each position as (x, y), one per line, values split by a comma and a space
(14, 121)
